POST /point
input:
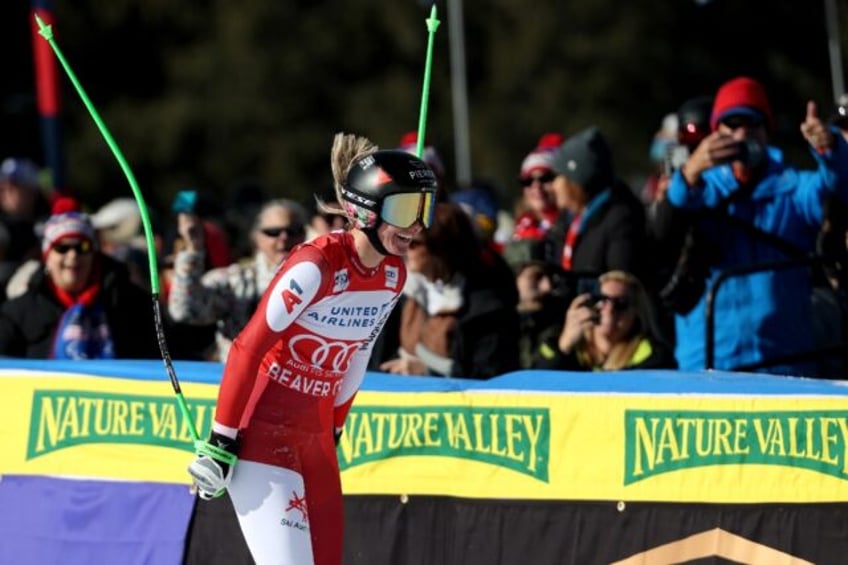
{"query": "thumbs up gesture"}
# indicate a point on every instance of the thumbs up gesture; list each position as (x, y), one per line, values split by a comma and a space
(817, 134)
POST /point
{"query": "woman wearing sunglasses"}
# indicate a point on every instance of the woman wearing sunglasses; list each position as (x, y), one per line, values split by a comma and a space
(293, 371)
(537, 210)
(610, 330)
(81, 304)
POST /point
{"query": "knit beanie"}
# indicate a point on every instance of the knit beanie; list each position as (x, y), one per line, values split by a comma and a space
(741, 96)
(67, 224)
(20, 172)
(542, 155)
(586, 159)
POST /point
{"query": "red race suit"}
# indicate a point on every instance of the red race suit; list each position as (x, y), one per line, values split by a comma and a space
(293, 371)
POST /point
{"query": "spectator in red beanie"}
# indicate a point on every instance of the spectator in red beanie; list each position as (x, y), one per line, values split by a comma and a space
(537, 209)
(759, 209)
(742, 96)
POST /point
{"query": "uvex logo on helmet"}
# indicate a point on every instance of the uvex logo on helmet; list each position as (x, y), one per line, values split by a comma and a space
(354, 197)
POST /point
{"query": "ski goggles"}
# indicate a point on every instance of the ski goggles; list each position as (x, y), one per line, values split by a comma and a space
(403, 210)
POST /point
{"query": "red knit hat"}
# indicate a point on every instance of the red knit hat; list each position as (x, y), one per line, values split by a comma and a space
(542, 155)
(741, 96)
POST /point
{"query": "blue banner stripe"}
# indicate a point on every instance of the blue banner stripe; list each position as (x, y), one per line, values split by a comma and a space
(85, 522)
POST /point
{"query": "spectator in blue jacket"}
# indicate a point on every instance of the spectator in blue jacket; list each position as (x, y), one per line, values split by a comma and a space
(758, 209)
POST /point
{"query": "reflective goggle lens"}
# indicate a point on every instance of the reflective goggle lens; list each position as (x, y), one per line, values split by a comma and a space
(403, 210)
(428, 208)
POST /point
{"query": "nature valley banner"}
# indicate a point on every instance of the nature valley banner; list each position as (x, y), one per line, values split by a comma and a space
(546, 445)
(555, 446)
(99, 427)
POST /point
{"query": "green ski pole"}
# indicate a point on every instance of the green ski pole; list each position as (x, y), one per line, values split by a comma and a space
(46, 32)
(432, 26)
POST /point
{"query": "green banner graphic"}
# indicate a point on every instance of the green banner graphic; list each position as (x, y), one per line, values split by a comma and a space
(663, 441)
(67, 418)
(513, 438)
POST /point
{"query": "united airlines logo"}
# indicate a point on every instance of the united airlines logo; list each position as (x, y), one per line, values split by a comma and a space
(391, 277)
(340, 280)
(316, 351)
(347, 316)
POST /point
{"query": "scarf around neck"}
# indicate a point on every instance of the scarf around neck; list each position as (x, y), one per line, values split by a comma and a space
(82, 331)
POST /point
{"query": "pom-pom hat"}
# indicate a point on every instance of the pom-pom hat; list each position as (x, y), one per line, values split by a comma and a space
(542, 155)
(66, 225)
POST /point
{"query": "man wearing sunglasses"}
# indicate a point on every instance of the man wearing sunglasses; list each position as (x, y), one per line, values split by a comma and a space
(228, 296)
(80, 305)
(755, 208)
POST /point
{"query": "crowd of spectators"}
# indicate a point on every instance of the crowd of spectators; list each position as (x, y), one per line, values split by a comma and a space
(727, 257)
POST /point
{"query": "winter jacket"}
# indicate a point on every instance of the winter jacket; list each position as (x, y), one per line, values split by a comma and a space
(613, 237)
(479, 339)
(226, 296)
(765, 314)
(649, 354)
(28, 322)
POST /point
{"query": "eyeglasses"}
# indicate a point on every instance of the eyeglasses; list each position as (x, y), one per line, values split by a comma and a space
(82, 247)
(403, 210)
(618, 303)
(290, 231)
(740, 121)
(543, 178)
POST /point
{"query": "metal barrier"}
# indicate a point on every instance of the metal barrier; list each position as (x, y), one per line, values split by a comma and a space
(812, 261)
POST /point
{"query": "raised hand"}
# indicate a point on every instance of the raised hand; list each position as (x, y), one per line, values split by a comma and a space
(714, 149)
(190, 228)
(578, 319)
(817, 134)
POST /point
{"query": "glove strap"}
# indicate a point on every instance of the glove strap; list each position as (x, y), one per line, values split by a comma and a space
(203, 447)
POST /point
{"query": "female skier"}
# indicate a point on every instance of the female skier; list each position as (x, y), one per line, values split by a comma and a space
(294, 369)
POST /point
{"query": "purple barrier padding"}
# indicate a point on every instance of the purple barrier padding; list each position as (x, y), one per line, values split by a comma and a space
(85, 522)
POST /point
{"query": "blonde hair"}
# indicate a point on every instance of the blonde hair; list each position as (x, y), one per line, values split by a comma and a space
(621, 353)
(347, 149)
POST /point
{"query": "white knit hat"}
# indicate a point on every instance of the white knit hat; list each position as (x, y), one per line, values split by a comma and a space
(69, 224)
(542, 154)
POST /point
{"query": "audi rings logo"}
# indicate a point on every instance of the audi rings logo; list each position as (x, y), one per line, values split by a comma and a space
(320, 351)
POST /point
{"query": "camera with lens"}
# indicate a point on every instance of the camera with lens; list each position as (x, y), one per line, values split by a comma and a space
(751, 153)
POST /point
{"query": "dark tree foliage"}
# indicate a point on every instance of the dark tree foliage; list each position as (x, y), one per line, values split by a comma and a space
(205, 93)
